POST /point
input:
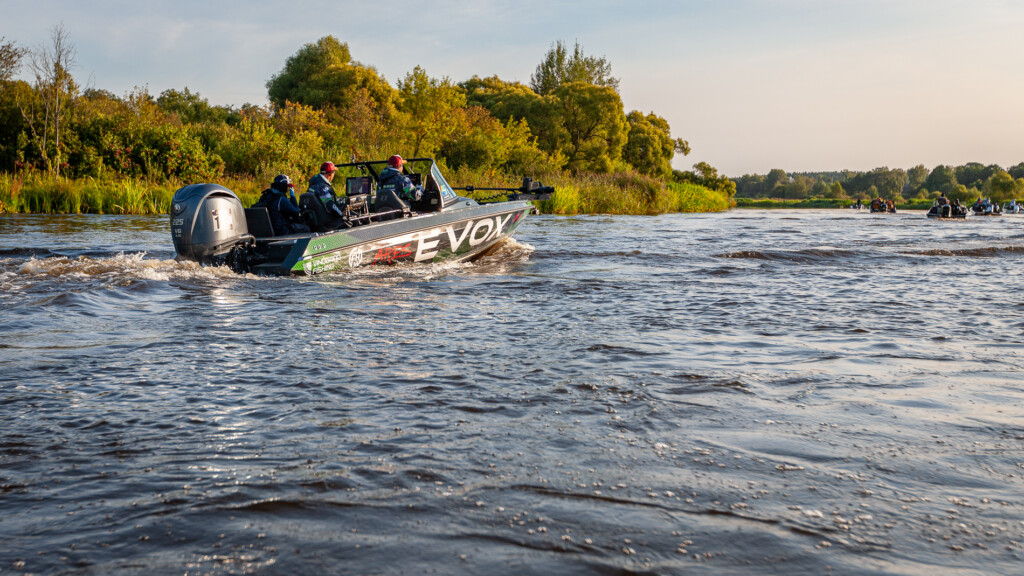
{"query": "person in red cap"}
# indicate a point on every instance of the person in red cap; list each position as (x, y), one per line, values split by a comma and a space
(394, 189)
(321, 187)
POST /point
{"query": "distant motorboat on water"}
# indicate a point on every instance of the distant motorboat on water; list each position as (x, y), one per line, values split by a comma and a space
(985, 207)
(947, 211)
(879, 206)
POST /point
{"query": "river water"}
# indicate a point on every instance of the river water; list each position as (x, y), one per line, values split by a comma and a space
(772, 392)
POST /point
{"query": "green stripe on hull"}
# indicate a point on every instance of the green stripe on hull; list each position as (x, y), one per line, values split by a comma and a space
(453, 241)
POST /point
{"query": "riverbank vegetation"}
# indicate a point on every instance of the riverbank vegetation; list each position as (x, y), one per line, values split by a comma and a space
(909, 189)
(778, 203)
(68, 149)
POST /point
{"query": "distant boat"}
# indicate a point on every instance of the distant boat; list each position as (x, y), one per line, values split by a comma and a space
(986, 210)
(878, 206)
(947, 212)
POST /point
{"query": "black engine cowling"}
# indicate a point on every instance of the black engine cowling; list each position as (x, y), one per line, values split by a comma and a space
(207, 220)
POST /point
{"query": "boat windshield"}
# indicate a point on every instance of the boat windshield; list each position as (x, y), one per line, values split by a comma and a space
(447, 194)
(422, 171)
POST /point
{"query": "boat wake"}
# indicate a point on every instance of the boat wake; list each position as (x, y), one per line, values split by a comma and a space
(119, 270)
(509, 251)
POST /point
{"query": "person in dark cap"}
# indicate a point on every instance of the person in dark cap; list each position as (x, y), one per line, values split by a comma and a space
(279, 200)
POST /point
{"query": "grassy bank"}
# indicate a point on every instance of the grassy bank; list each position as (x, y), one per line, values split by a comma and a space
(587, 194)
(622, 193)
(772, 203)
(44, 194)
(630, 194)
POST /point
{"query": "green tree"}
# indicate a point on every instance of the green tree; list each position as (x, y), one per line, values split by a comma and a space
(942, 179)
(889, 182)
(916, 178)
(426, 105)
(750, 186)
(1002, 187)
(1016, 171)
(479, 141)
(504, 100)
(707, 175)
(975, 174)
(256, 148)
(560, 67)
(798, 187)
(593, 117)
(835, 191)
(775, 181)
(514, 101)
(190, 108)
(961, 193)
(322, 74)
(369, 127)
(134, 137)
(649, 144)
(11, 121)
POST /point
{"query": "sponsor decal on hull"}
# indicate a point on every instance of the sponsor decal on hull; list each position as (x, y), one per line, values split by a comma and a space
(390, 254)
(439, 243)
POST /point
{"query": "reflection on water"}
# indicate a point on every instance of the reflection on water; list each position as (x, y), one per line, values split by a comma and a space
(751, 392)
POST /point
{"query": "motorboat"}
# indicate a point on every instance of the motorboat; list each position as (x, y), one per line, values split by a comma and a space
(209, 225)
(947, 211)
(1012, 208)
(879, 206)
(986, 209)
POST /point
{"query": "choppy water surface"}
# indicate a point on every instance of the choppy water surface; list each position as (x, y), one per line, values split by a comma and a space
(802, 392)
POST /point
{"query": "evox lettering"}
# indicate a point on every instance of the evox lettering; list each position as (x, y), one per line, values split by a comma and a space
(485, 224)
(492, 227)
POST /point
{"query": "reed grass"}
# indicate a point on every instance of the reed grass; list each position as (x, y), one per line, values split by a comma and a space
(41, 193)
(622, 193)
(628, 193)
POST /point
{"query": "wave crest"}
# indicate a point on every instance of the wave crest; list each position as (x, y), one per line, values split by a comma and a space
(809, 255)
(121, 267)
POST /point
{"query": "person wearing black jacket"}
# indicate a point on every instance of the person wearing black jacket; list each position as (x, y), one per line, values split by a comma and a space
(279, 200)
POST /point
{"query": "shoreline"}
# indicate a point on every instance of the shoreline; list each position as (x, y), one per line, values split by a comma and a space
(622, 194)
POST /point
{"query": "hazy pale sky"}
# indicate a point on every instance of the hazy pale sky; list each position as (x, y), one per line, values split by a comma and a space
(802, 85)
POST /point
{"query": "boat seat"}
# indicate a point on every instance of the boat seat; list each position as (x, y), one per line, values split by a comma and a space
(258, 222)
(315, 215)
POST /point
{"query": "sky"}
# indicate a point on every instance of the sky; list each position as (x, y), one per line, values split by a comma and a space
(752, 85)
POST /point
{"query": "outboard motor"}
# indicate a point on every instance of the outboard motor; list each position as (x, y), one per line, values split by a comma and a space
(207, 221)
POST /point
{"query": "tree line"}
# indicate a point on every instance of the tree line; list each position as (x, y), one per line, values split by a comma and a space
(966, 183)
(324, 105)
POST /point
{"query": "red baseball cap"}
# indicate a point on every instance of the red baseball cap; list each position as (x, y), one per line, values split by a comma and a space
(395, 161)
(328, 167)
